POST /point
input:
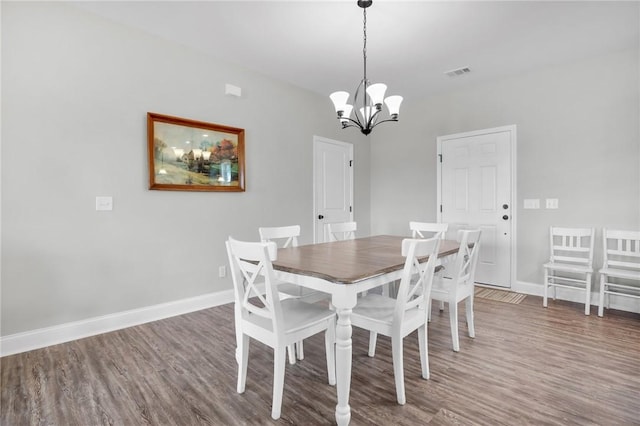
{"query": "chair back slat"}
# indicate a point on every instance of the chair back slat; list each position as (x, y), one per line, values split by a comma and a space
(251, 267)
(284, 236)
(621, 249)
(571, 245)
(342, 231)
(467, 258)
(417, 278)
(428, 230)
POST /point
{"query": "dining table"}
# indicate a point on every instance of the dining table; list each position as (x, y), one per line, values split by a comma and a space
(344, 269)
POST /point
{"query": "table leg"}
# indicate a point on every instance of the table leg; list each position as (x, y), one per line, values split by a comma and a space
(343, 365)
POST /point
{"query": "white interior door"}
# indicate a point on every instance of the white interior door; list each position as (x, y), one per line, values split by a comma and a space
(476, 190)
(332, 185)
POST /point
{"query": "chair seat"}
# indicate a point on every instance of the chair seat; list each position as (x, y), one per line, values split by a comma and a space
(297, 315)
(441, 289)
(620, 273)
(376, 307)
(568, 267)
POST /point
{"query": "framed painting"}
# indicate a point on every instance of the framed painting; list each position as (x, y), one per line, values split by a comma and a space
(189, 155)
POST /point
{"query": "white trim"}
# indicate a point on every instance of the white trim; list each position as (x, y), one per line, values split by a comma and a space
(40, 338)
(616, 302)
(513, 131)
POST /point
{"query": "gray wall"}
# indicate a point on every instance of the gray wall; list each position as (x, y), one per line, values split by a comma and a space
(578, 137)
(76, 90)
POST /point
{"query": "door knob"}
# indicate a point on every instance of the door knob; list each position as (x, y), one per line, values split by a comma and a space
(505, 206)
(505, 217)
(320, 216)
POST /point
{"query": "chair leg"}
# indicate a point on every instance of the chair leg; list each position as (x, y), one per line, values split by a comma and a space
(429, 309)
(330, 350)
(453, 319)
(398, 368)
(292, 354)
(300, 350)
(587, 303)
(469, 313)
(243, 358)
(603, 279)
(423, 342)
(279, 361)
(546, 288)
(373, 338)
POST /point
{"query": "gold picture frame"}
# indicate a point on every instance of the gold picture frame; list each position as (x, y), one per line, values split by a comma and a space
(190, 155)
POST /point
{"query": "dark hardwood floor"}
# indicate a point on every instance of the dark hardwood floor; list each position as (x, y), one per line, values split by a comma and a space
(527, 365)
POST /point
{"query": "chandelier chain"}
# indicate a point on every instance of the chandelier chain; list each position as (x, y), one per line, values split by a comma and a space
(364, 47)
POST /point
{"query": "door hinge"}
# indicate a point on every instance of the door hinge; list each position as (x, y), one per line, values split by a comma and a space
(440, 208)
(350, 209)
(440, 156)
(350, 163)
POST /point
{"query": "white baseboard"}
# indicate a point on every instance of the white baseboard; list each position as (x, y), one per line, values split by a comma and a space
(615, 302)
(40, 338)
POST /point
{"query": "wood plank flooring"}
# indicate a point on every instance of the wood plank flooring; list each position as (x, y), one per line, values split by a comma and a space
(527, 366)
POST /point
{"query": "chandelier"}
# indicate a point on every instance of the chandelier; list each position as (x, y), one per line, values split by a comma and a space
(371, 96)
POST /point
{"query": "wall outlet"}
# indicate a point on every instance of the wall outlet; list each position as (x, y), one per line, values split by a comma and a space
(222, 271)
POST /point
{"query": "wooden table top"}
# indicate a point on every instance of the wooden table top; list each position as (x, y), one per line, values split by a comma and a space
(350, 261)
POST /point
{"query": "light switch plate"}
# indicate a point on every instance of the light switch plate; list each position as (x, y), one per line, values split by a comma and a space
(552, 203)
(104, 203)
(532, 203)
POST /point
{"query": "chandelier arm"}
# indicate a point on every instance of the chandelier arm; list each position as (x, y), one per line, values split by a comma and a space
(373, 120)
(356, 123)
(384, 121)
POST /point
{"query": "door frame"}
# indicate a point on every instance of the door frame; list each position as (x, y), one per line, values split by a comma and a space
(347, 146)
(512, 129)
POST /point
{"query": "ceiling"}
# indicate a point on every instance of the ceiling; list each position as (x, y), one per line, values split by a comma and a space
(317, 45)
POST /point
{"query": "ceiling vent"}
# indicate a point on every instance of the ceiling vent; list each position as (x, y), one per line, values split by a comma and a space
(458, 72)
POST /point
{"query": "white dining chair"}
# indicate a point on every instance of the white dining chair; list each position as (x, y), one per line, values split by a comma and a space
(287, 236)
(458, 283)
(342, 231)
(570, 262)
(620, 272)
(406, 313)
(263, 316)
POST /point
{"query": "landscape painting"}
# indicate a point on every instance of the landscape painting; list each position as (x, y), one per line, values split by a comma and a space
(189, 155)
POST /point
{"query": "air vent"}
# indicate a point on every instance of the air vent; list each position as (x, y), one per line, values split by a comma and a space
(458, 72)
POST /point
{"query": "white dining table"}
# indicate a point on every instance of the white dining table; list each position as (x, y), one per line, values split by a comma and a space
(344, 269)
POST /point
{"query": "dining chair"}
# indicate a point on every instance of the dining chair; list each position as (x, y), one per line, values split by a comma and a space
(406, 313)
(570, 262)
(263, 316)
(287, 236)
(342, 231)
(458, 283)
(620, 273)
